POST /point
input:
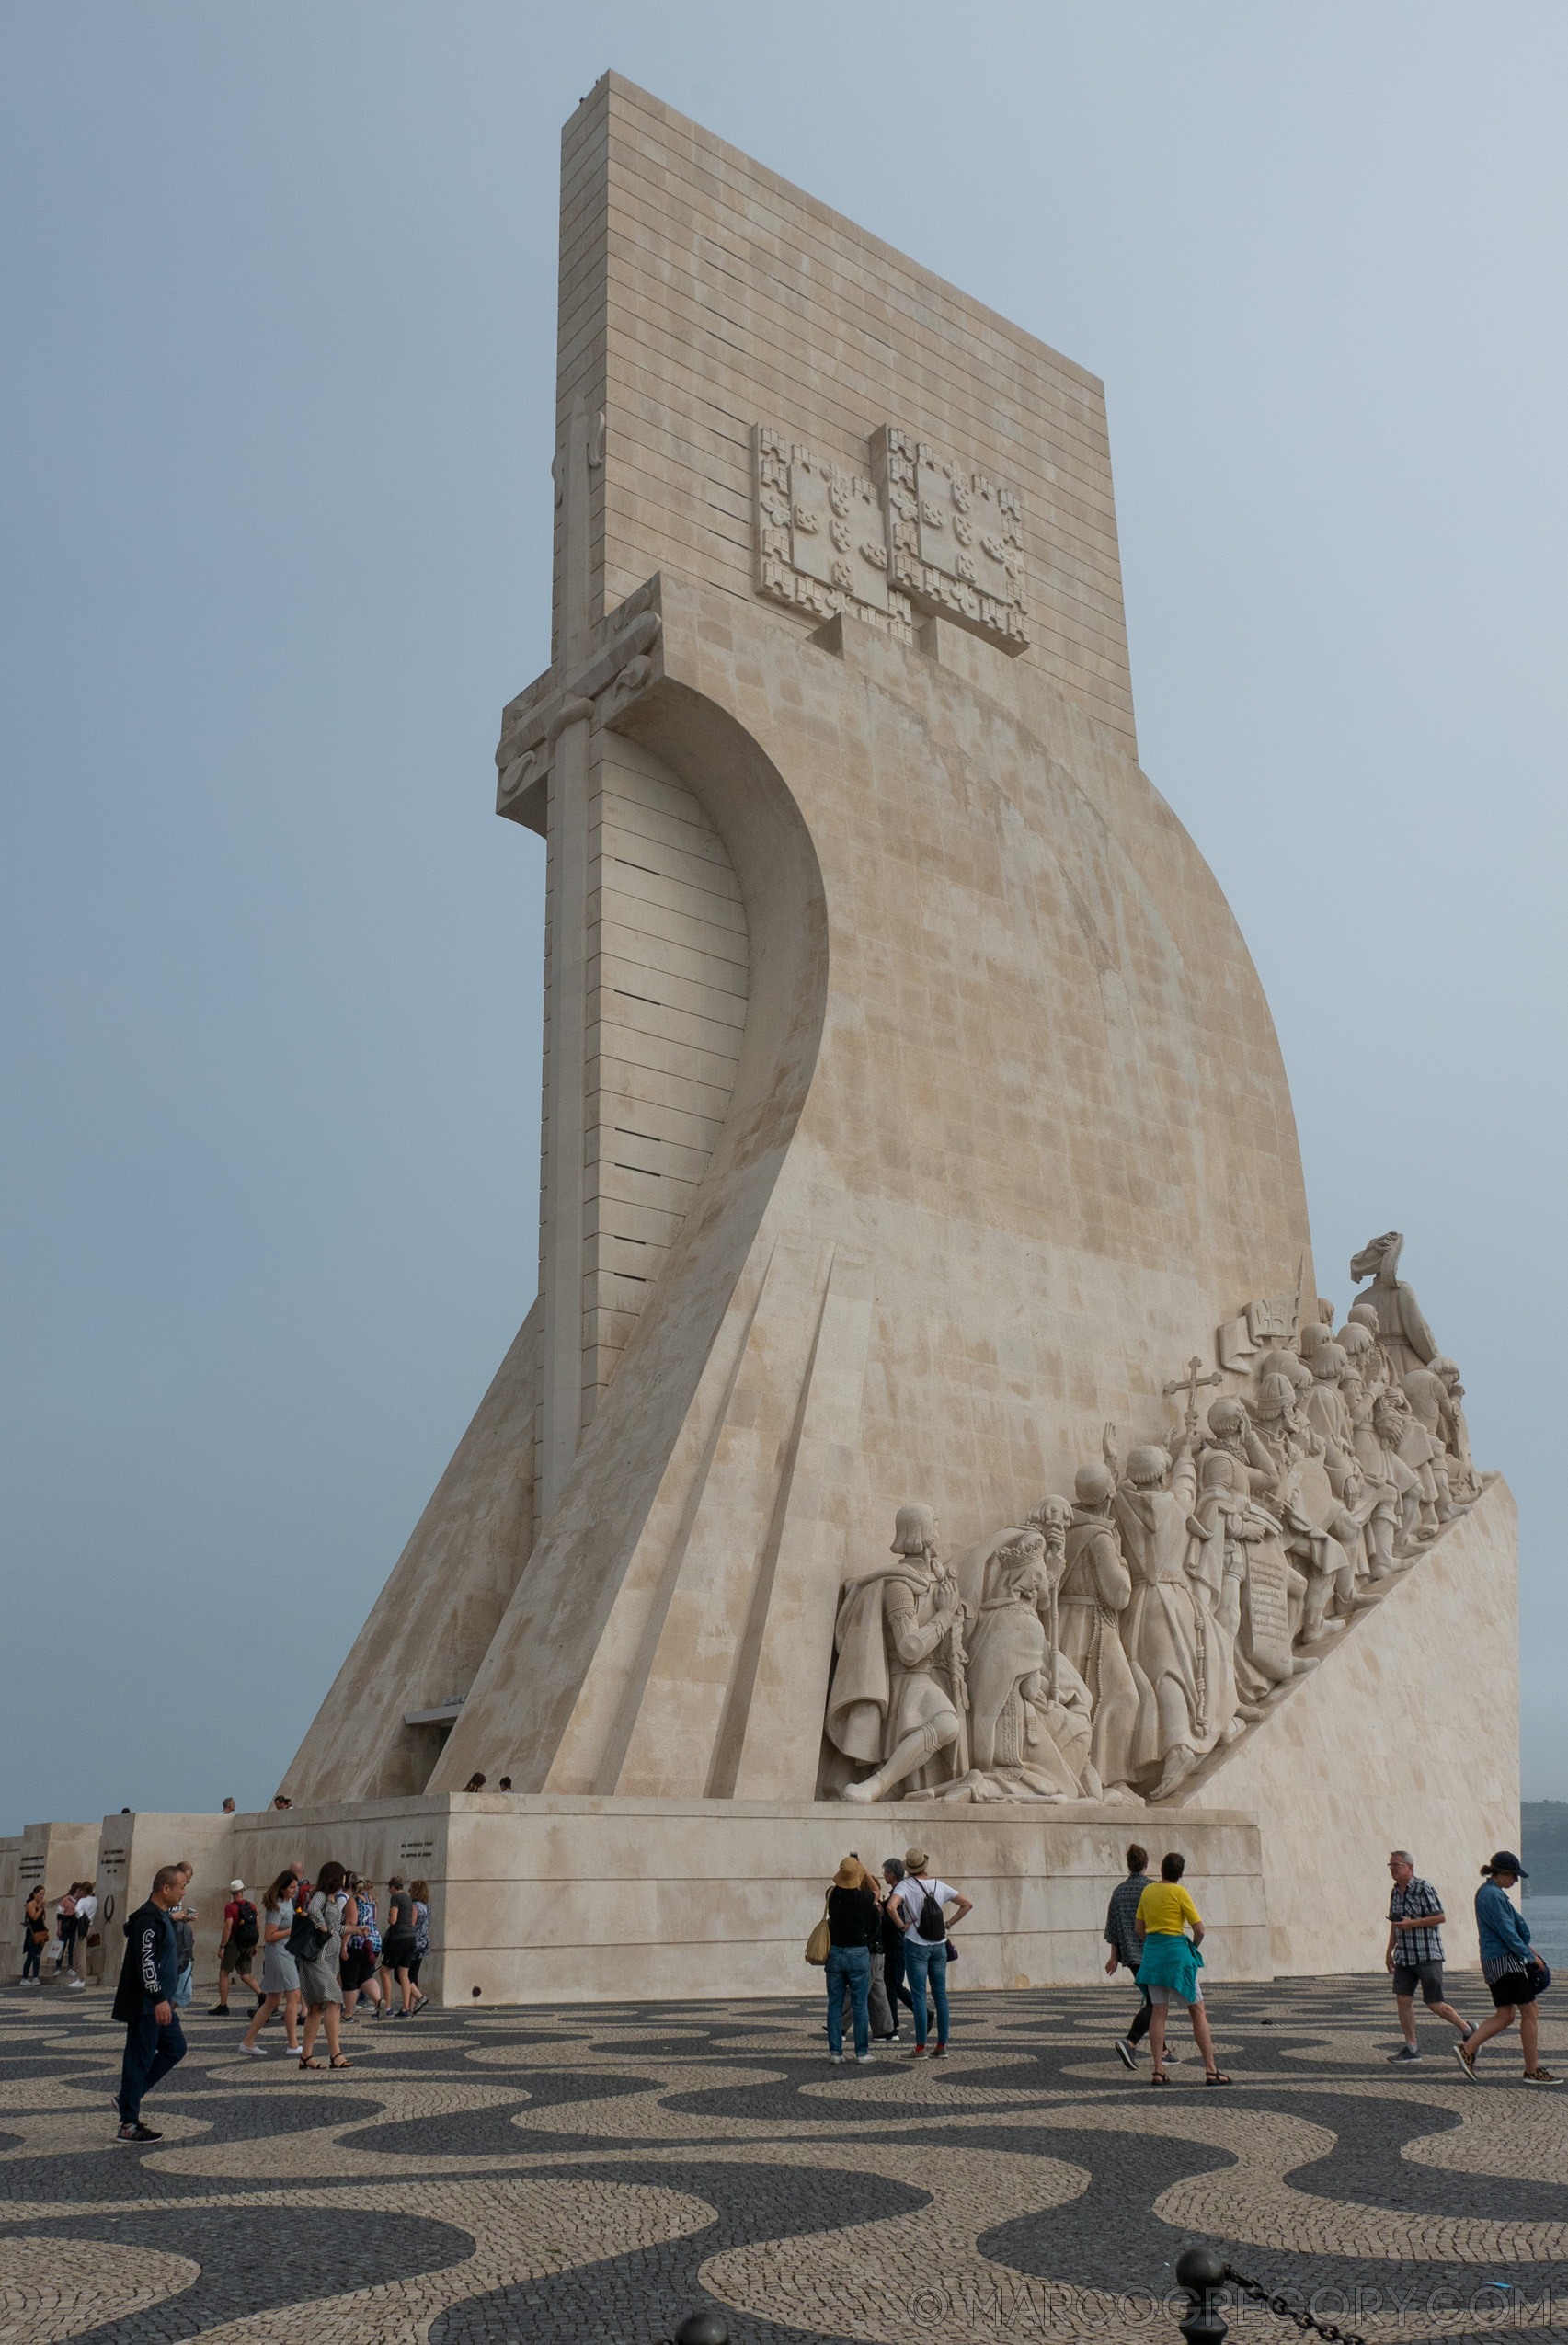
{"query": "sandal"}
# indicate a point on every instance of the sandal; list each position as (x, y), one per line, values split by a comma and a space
(1161, 2079)
(1217, 2077)
(341, 2063)
(308, 2063)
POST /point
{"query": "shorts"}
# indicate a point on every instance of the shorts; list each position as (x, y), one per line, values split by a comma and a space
(1169, 1994)
(1515, 1986)
(1428, 1976)
(235, 1958)
(357, 1965)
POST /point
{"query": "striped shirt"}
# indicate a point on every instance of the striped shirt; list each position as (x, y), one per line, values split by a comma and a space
(1121, 1917)
(1413, 1946)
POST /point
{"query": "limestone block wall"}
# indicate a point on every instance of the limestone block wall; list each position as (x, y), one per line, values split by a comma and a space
(54, 1854)
(129, 1849)
(667, 979)
(586, 1900)
(1010, 1136)
(1407, 1737)
(701, 293)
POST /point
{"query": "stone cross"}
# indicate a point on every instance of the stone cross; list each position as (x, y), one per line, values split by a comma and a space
(1190, 1384)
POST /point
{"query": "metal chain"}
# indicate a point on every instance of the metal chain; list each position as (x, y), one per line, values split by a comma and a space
(1282, 2307)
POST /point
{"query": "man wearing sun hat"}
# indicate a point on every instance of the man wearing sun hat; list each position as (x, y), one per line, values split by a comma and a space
(236, 1947)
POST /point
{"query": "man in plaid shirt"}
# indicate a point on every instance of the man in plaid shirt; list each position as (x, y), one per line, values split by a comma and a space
(1414, 1953)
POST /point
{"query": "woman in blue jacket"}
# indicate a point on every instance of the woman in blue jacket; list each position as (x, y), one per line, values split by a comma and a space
(1511, 1967)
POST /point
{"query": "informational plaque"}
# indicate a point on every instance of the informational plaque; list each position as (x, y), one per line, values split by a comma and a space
(1269, 1610)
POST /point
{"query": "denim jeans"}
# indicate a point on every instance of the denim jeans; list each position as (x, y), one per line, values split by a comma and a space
(32, 1950)
(150, 2053)
(927, 1963)
(848, 1966)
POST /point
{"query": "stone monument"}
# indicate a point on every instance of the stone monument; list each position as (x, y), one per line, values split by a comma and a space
(912, 1113)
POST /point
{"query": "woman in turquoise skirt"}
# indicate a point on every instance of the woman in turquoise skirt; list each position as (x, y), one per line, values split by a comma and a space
(1171, 1962)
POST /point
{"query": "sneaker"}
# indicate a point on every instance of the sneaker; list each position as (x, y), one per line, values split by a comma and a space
(137, 2134)
(862, 2060)
(257, 2051)
(1466, 2059)
(219, 2012)
(836, 2055)
(939, 2051)
(1541, 2076)
(1405, 2053)
(1126, 2052)
(917, 2052)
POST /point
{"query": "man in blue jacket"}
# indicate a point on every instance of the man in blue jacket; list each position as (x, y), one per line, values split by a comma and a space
(145, 2001)
(1511, 1967)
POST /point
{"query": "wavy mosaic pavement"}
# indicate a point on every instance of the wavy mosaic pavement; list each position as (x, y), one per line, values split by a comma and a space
(598, 2174)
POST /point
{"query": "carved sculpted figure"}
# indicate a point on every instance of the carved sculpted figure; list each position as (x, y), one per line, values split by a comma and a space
(1020, 1725)
(1406, 1339)
(897, 1690)
(1163, 1633)
(1102, 1648)
(1095, 1590)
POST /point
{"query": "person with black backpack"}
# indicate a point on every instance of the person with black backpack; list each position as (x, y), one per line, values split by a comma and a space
(917, 1903)
(237, 1948)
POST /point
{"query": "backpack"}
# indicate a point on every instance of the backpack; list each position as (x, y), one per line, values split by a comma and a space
(246, 1931)
(931, 1923)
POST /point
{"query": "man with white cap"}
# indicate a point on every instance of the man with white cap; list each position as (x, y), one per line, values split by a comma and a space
(236, 1947)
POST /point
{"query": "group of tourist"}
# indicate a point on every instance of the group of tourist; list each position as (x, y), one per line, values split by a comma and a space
(322, 1949)
(74, 1915)
(1154, 1930)
(884, 1942)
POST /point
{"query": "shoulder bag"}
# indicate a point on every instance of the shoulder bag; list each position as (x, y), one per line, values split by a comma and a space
(820, 1944)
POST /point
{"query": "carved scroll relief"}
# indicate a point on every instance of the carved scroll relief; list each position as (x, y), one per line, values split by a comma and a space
(822, 536)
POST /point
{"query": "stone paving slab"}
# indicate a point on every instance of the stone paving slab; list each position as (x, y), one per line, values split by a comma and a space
(599, 2173)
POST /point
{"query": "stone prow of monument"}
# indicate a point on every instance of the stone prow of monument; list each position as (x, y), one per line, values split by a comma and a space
(912, 1113)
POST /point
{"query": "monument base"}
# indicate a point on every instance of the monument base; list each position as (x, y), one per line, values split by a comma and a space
(550, 1899)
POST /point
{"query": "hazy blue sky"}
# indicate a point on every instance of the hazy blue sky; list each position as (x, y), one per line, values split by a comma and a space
(278, 288)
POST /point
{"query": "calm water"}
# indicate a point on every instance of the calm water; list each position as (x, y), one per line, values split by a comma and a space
(1548, 1918)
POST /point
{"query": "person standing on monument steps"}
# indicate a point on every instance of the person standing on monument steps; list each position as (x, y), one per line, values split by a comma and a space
(144, 2002)
(1414, 1956)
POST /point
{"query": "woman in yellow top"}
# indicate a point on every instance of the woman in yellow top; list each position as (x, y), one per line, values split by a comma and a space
(1171, 1962)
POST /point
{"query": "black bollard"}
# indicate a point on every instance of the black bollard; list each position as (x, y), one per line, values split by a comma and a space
(1202, 2273)
(702, 2329)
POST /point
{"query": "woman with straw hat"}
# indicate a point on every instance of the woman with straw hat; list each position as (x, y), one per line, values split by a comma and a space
(854, 1924)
